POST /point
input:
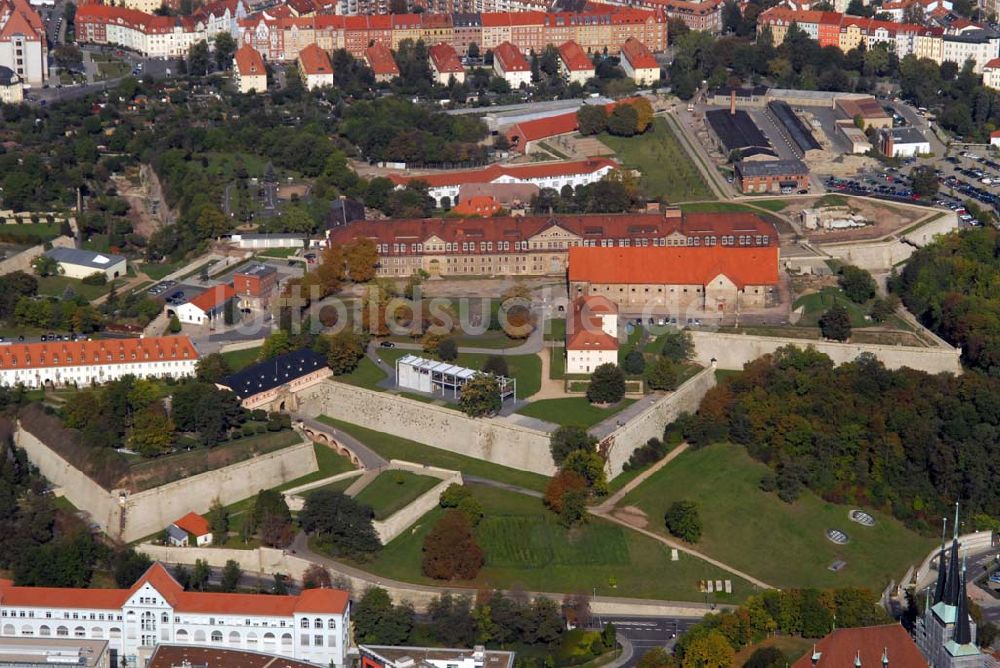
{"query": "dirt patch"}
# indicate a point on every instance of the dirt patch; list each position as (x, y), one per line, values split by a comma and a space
(885, 219)
(142, 190)
(632, 516)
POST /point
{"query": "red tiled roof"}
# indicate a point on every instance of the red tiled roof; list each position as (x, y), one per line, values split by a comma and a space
(445, 58)
(315, 60)
(194, 524)
(992, 64)
(995, 133)
(510, 57)
(843, 647)
(218, 295)
(99, 351)
(249, 62)
(574, 57)
(309, 601)
(495, 19)
(674, 265)
(479, 205)
(585, 331)
(541, 128)
(380, 59)
(171, 656)
(522, 172)
(638, 55)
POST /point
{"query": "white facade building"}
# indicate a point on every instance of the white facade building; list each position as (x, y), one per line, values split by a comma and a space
(263, 241)
(903, 142)
(206, 307)
(981, 45)
(592, 334)
(101, 361)
(511, 65)
(23, 45)
(312, 626)
(77, 263)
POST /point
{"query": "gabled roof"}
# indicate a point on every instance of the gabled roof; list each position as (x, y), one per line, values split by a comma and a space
(84, 258)
(194, 524)
(541, 128)
(510, 58)
(585, 327)
(214, 297)
(574, 57)
(380, 59)
(674, 265)
(843, 647)
(99, 351)
(315, 60)
(992, 64)
(249, 62)
(273, 373)
(445, 58)
(638, 56)
(477, 205)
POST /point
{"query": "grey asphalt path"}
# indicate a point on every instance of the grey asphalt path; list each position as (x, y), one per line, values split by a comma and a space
(369, 458)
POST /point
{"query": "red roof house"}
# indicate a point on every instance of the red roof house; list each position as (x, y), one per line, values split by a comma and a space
(380, 59)
(180, 532)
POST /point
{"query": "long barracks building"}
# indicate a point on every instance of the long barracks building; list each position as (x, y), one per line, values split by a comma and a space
(539, 245)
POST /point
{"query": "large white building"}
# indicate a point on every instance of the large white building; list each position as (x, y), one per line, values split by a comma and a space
(77, 263)
(638, 63)
(312, 626)
(98, 361)
(554, 175)
(592, 334)
(980, 45)
(207, 307)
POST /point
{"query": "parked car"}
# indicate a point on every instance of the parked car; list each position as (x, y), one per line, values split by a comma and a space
(387, 344)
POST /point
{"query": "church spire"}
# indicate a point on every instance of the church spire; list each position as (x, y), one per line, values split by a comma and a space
(939, 587)
(953, 584)
(963, 632)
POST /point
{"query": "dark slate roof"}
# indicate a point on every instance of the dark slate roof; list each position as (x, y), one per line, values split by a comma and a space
(344, 211)
(907, 135)
(793, 126)
(735, 130)
(772, 168)
(742, 91)
(7, 76)
(273, 373)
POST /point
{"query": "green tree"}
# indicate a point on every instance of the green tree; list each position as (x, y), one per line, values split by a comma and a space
(175, 325)
(153, 432)
(883, 309)
(607, 385)
(624, 121)
(277, 343)
(682, 520)
(496, 365)
(634, 363)
(45, 266)
(480, 396)
(212, 222)
(710, 650)
(450, 551)
(857, 283)
(677, 345)
(231, 574)
(212, 368)
(924, 181)
(447, 350)
(378, 621)
(218, 521)
(341, 525)
(568, 439)
(345, 349)
(200, 575)
(225, 49)
(663, 375)
(592, 119)
(590, 466)
(128, 566)
(198, 59)
(836, 323)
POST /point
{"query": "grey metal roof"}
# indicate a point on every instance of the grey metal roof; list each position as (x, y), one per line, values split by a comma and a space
(907, 136)
(177, 533)
(7, 76)
(273, 236)
(257, 270)
(84, 258)
(736, 130)
(793, 125)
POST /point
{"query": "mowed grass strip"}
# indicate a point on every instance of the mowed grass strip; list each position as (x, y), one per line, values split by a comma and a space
(576, 411)
(525, 547)
(667, 170)
(743, 525)
(392, 491)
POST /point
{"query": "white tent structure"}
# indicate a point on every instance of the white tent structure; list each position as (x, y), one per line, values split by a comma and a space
(433, 377)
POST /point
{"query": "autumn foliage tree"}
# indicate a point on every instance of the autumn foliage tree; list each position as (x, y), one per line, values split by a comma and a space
(561, 483)
(450, 550)
(360, 258)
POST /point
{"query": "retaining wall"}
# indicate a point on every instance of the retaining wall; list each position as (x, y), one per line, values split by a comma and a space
(150, 511)
(650, 423)
(883, 255)
(490, 439)
(22, 261)
(402, 519)
(732, 351)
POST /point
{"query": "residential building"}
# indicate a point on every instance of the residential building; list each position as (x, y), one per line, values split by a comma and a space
(11, 88)
(255, 285)
(538, 245)
(945, 632)
(591, 334)
(705, 15)
(903, 142)
(205, 308)
(884, 646)
(991, 74)
(221, 16)
(184, 656)
(866, 109)
(192, 529)
(980, 45)
(722, 278)
(76, 263)
(511, 65)
(479, 205)
(507, 195)
(146, 34)
(83, 363)
(381, 656)
(271, 384)
(523, 137)
(554, 175)
(312, 626)
(44, 652)
(23, 43)
(574, 63)
(380, 59)
(265, 241)
(315, 67)
(772, 176)
(639, 64)
(995, 138)
(249, 70)
(445, 64)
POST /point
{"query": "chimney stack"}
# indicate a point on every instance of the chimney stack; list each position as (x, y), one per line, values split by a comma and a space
(732, 102)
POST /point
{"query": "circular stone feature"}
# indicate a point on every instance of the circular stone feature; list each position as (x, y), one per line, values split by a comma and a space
(837, 536)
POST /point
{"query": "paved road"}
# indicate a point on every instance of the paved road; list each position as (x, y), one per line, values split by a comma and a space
(644, 633)
(369, 458)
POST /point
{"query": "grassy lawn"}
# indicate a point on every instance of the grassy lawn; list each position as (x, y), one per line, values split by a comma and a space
(525, 547)
(816, 304)
(329, 464)
(572, 411)
(526, 369)
(279, 252)
(391, 491)
(556, 330)
(30, 232)
(742, 524)
(393, 447)
(112, 69)
(667, 170)
(159, 271)
(367, 375)
(99, 243)
(335, 486)
(771, 204)
(241, 359)
(55, 286)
